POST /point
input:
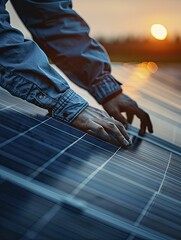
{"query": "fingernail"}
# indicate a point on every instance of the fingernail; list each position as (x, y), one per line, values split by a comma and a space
(130, 141)
(126, 142)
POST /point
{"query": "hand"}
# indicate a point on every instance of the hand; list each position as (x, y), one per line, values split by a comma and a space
(99, 124)
(123, 103)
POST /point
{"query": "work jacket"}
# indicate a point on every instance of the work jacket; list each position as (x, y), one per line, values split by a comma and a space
(62, 35)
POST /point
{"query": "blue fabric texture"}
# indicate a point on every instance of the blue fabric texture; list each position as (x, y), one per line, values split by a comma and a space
(62, 35)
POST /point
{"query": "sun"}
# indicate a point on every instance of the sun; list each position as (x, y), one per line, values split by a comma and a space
(158, 31)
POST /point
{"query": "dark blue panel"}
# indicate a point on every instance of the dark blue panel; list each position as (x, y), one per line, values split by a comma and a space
(124, 186)
(19, 210)
(135, 172)
(56, 181)
(30, 151)
(52, 137)
(117, 195)
(164, 216)
(89, 152)
(17, 164)
(65, 173)
(5, 134)
(71, 168)
(172, 188)
(16, 121)
(72, 226)
(148, 155)
(100, 143)
(174, 170)
(65, 127)
(104, 200)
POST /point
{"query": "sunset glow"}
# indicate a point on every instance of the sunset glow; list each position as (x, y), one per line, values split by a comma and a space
(158, 31)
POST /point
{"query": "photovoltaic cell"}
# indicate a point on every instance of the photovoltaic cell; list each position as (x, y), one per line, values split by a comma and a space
(59, 183)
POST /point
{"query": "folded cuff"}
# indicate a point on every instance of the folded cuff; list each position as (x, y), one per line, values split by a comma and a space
(102, 90)
(69, 106)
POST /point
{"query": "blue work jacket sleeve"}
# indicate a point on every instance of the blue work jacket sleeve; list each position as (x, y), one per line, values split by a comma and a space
(26, 73)
(64, 37)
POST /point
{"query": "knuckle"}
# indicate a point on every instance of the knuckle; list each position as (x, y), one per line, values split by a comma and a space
(111, 125)
(133, 104)
(100, 129)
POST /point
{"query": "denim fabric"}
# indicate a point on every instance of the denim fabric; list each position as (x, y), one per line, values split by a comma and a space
(63, 35)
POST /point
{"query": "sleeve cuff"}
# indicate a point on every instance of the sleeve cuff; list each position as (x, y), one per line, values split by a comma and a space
(104, 89)
(69, 106)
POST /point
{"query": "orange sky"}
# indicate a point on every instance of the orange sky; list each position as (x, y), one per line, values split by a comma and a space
(123, 18)
(130, 17)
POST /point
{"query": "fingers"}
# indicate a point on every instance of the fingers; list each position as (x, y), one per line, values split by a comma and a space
(118, 116)
(123, 103)
(145, 121)
(130, 117)
(118, 135)
(142, 129)
(113, 126)
(102, 126)
(98, 131)
(122, 130)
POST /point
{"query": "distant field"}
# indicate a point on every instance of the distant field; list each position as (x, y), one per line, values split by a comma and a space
(138, 51)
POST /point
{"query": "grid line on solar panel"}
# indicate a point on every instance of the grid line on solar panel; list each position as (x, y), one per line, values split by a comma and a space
(124, 224)
(70, 131)
(172, 189)
(51, 160)
(61, 182)
(57, 171)
(7, 107)
(14, 202)
(32, 233)
(164, 215)
(20, 134)
(20, 122)
(157, 164)
(157, 142)
(147, 139)
(116, 223)
(77, 132)
(6, 133)
(91, 176)
(122, 173)
(16, 163)
(151, 201)
(7, 149)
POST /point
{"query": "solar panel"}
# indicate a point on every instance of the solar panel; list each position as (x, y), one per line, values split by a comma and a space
(59, 183)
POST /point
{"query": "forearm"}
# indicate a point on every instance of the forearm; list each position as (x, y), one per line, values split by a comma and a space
(26, 73)
(64, 36)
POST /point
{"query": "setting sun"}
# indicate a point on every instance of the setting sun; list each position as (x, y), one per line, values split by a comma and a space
(159, 31)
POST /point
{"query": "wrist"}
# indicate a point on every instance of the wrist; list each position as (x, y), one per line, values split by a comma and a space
(111, 96)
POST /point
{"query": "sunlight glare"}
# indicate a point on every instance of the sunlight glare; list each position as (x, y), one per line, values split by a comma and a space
(159, 32)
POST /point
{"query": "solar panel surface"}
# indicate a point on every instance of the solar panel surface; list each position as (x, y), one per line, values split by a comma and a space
(60, 183)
